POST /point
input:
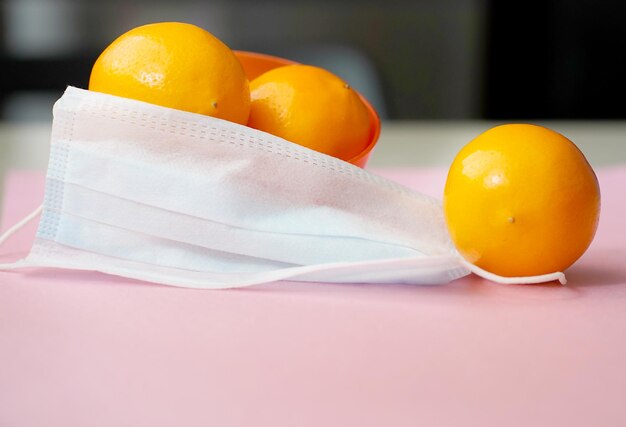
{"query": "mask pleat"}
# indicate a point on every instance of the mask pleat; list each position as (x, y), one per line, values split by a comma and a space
(85, 234)
(290, 248)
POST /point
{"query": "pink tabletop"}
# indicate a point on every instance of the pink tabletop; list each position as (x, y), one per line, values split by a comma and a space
(85, 349)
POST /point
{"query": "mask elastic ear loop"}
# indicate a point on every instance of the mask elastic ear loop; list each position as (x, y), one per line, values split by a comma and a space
(28, 218)
(523, 280)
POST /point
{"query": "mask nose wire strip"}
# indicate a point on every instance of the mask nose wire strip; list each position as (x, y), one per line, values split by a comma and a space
(523, 280)
(28, 218)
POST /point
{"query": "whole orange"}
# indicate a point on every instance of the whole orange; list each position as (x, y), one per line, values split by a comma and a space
(312, 107)
(521, 200)
(175, 65)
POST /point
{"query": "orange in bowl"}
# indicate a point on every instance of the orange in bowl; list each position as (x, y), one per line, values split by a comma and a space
(256, 64)
(175, 65)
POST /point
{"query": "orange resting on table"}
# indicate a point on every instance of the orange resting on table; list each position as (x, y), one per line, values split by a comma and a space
(312, 107)
(521, 200)
(175, 65)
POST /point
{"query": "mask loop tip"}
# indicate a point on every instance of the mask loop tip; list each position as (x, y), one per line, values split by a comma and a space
(521, 280)
(28, 218)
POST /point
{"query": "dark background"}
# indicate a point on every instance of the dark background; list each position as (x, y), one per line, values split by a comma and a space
(556, 59)
(428, 59)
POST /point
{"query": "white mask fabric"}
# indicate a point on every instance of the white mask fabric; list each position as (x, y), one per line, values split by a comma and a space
(151, 193)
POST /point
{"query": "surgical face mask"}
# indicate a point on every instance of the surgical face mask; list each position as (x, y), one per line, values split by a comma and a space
(161, 195)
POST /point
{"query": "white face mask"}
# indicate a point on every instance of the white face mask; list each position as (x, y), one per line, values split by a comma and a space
(150, 193)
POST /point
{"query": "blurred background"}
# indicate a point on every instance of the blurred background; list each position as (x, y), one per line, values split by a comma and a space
(421, 59)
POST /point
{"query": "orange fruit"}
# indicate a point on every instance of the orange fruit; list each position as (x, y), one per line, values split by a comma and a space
(312, 107)
(175, 65)
(521, 200)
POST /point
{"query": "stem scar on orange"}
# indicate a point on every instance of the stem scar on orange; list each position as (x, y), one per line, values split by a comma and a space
(521, 200)
(175, 65)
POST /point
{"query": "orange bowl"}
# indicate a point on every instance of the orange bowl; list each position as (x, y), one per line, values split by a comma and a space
(255, 64)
